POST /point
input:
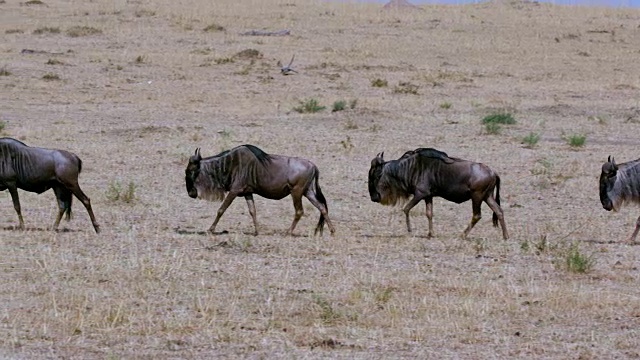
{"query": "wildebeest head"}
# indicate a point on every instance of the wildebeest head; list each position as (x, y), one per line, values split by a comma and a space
(375, 173)
(607, 181)
(192, 172)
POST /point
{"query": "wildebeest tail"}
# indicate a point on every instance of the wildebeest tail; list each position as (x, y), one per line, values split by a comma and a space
(322, 200)
(495, 216)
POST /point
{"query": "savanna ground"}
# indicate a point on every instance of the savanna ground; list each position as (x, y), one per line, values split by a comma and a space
(133, 87)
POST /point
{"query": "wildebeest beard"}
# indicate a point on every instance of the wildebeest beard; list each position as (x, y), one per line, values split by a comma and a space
(211, 182)
(392, 184)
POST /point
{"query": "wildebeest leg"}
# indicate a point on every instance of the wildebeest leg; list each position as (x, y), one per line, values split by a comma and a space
(225, 204)
(632, 239)
(297, 204)
(84, 199)
(63, 196)
(429, 211)
(498, 211)
(323, 211)
(252, 211)
(16, 204)
(477, 215)
(413, 202)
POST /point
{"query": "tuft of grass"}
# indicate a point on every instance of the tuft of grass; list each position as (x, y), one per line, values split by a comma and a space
(328, 314)
(14, 31)
(248, 54)
(339, 105)
(577, 140)
(224, 60)
(353, 103)
(4, 71)
(531, 140)
(140, 59)
(350, 125)
(2, 126)
(493, 128)
(78, 31)
(578, 262)
(213, 28)
(46, 30)
(50, 77)
(347, 144)
(499, 118)
(379, 83)
(33, 2)
(309, 106)
(117, 193)
(445, 105)
(405, 87)
(54, 62)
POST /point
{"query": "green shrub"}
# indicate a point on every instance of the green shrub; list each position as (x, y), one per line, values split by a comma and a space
(445, 105)
(50, 77)
(577, 140)
(339, 105)
(46, 29)
(493, 128)
(499, 118)
(531, 140)
(578, 262)
(309, 106)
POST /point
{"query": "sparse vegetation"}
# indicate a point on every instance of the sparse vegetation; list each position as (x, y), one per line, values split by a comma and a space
(445, 105)
(46, 30)
(140, 59)
(353, 103)
(531, 140)
(493, 128)
(54, 62)
(576, 140)
(309, 106)
(50, 77)
(213, 28)
(14, 31)
(379, 83)
(350, 125)
(223, 60)
(499, 118)
(339, 105)
(347, 144)
(118, 193)
(79, 31)
(4, 71)
(404, 87)
(578, 262)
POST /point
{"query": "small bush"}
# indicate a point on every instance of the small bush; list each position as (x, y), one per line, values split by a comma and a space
(13, 31)
(339, 105)
(213, 28)
(140, 59)
(4, 71)
(379, 83)
(34, 2)
(309, 106)
(46, 29)
(353, 103)
(116, 193)
(501, 118)
(578, 262)
(50, 77)
(225, 60)
(577, 140)
(248, 54)
(78, 31)
(445, 105)
(531, 140)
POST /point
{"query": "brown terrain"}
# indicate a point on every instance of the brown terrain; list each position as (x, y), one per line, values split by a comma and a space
(133, 87)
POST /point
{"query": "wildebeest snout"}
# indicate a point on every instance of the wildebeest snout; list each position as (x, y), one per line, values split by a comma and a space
(193, 193)
(607, 205)
(375, 197)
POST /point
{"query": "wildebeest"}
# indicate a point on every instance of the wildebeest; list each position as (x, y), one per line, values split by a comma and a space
(619, 184)
(425, 173)
(38, 170)
(246, 170)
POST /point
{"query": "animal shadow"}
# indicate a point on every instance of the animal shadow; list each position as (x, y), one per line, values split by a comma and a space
(29, 229)
(181, 231)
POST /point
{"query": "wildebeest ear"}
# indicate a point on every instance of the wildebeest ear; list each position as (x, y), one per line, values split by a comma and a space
(613, 162)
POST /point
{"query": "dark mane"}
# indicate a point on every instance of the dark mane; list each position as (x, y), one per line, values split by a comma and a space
(262, 156)
(434, 154)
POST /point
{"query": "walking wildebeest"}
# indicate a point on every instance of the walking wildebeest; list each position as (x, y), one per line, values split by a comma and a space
(619, 184)
(246, 170)
(38, 170)
(426, 173)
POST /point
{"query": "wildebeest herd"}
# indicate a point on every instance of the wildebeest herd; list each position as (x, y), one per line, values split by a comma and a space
(418, 175)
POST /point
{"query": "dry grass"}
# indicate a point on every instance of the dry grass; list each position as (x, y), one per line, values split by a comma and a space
(154, 285)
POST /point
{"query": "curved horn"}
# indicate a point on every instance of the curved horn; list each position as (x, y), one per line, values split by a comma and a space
(613, 161)
(380, 155)
(197, 154)
(609, 158)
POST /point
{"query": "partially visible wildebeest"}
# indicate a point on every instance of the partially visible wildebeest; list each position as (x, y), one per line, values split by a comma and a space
(38, 170)
(246, 170)
(619, 184)
(425, 173)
